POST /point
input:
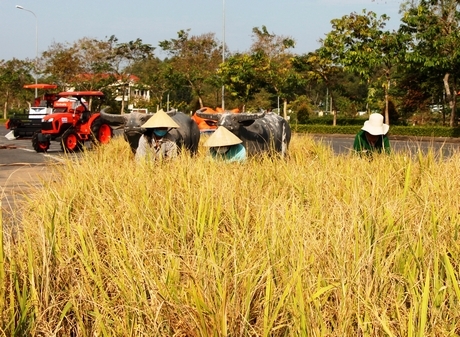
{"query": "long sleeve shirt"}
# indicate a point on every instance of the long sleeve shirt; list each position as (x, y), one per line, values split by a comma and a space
(236, 153)
(361, 144)
(161, 149)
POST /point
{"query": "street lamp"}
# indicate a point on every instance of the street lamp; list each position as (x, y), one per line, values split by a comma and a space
(223, 50)
(36, 43)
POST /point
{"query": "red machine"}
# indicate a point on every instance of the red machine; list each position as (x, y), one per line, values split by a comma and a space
(72, 127)
(25, 125)
(208, 125)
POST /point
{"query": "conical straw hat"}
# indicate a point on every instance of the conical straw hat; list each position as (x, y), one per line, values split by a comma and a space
(160, 120)
(222, 137)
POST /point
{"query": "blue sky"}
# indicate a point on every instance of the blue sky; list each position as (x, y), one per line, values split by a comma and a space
(306, 21)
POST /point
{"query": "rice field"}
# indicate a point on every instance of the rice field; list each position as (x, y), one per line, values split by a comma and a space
(311, 245)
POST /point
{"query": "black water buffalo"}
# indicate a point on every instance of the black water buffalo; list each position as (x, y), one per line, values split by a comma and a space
(260, 132)
(187, 135)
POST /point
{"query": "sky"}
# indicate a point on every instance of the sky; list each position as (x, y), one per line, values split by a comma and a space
(58, 21)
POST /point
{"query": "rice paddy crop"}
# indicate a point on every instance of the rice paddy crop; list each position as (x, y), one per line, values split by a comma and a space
(311, 245)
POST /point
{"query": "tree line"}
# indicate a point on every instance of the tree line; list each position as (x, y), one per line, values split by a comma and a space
(359, 66)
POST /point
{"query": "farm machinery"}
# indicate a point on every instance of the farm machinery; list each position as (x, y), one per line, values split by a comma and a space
(25, 125)
(72, 128)
(208, 125)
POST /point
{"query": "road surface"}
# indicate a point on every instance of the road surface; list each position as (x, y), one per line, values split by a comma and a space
(342, 144)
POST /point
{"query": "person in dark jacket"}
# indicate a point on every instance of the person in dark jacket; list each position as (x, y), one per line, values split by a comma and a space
(373, 136)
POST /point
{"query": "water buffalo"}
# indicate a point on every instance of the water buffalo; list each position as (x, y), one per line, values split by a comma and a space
(187, 135)
(260, 132)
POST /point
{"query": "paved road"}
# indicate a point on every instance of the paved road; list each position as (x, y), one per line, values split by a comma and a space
(342, 144)
(21, 169)
(20, 151)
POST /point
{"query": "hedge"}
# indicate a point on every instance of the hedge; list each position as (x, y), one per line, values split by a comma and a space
(328, 120)
(418, 131)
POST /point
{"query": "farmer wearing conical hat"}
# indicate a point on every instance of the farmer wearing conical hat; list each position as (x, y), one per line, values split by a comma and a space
(373, 136)
(154, 143)
(226, 146)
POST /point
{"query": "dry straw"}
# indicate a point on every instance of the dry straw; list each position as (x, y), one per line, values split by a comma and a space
(314, 244)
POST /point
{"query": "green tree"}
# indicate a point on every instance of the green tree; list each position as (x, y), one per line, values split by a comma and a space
(195, 59)
(61, 65)
(154, 76)
(13, 75)
(275, 64)
(359, 44)
(241, 77)
(303, 109)
(82, 65)
(417, 89)
(319, 67)
(121, 57)
(94, 66)
(432, 28)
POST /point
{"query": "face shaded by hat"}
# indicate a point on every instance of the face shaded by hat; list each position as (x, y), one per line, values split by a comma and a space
(222, 137)
(375, 125)
(160, 120)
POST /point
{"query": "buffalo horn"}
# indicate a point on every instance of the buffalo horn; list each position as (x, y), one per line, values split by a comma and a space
(107, 109)
(205, 115)
(113, 119)
(248, 116)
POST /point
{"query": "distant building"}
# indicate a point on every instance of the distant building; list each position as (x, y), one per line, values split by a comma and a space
(127, 90)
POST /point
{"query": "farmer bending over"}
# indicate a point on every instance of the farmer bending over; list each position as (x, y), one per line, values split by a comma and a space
(154, 144)
(224, 145)
(373, 136)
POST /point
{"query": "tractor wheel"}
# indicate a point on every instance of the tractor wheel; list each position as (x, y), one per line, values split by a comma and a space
(40, 146)
(70, 141)
(101, 132)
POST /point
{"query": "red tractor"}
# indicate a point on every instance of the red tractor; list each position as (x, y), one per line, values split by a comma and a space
(73, 128)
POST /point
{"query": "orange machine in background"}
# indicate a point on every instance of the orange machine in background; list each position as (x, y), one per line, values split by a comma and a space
(209, 125)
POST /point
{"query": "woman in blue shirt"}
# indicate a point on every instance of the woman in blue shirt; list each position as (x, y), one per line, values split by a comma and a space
(224, 145)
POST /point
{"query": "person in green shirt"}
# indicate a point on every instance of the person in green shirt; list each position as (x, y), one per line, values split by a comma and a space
(373, 136)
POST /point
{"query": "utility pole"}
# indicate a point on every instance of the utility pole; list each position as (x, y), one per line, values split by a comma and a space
(36, 44)
(223, 50)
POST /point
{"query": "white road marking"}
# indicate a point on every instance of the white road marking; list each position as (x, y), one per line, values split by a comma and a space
(54, 157)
